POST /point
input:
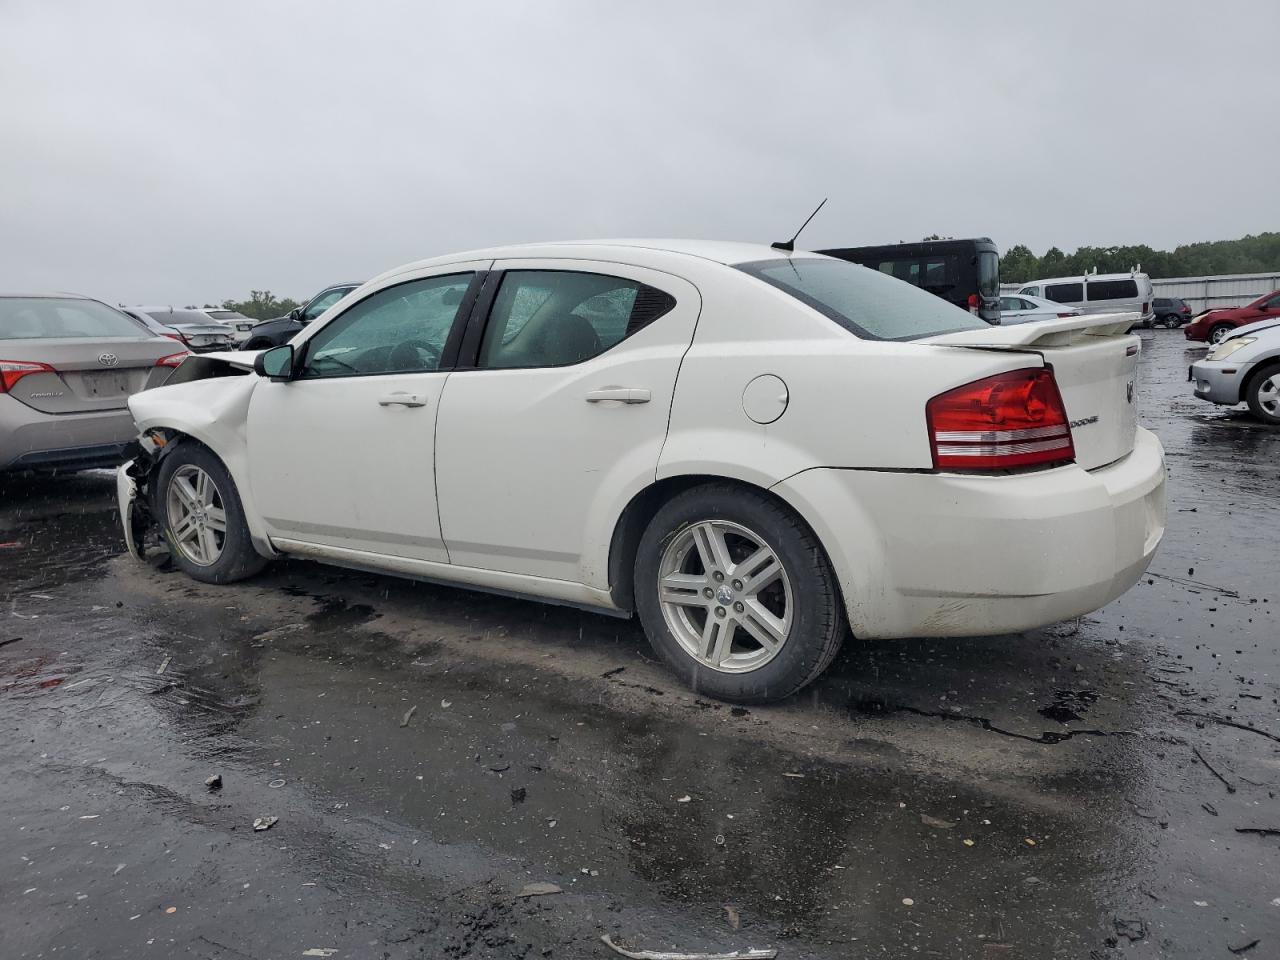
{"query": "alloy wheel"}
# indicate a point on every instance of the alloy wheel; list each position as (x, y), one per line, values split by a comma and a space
(725, 596)
(1218, 334)
(1269, 395)
(197, 515)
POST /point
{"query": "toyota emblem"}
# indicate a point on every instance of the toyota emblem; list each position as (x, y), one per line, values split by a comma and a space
(108, 359)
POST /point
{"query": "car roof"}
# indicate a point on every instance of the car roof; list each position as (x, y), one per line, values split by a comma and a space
(46, 295)
(1088, 276)
(727, 252)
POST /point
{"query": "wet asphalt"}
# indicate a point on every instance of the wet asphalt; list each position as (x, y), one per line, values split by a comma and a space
(1102, 788)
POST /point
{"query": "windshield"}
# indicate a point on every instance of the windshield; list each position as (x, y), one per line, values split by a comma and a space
(988, 274)
(867, 303)
(36, 318)
(226, 315)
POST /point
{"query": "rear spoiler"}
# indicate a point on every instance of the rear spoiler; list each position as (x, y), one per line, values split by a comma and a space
(1059, 332)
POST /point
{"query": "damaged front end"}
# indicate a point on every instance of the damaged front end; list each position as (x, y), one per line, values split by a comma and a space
(134, 491)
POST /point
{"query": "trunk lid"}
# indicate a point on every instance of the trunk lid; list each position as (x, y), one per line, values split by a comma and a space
(1094, 360)
(83, 379)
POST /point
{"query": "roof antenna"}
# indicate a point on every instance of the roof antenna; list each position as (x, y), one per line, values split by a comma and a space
(790, 245)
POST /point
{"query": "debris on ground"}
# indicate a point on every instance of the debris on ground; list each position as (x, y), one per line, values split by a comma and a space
(1208, 766)
(517, 795)
(408, 715)
(264, 823)
(500, 767)
(685, 799)
(1244, 947)
(1210, 809)
(276, 784)
(320, 952)
(446, 704)
(1133, 930)
(929, 821)
(753, 954)
(1260, 831)
(539, 888)
(5, 643)
(164, 664)
(214, 782)
(794, 776)
(613, 673)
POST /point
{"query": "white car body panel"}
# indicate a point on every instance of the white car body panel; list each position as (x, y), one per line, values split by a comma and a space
(500, 430)
(531, 479)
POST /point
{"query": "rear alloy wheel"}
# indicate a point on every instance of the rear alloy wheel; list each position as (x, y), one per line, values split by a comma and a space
(1219, 332)
(1263, 394)
(736, 594)
(202, 518)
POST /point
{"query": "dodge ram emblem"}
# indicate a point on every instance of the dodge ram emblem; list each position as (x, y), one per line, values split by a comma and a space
(108, 359)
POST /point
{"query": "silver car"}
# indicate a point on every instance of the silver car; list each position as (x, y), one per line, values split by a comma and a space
(1243, 367)
(193, 332)
(68, 366)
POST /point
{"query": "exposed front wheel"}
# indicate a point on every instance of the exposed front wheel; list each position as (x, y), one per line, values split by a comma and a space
(203, 521)
(1218, 333)
(1263, 394)
(736, 594)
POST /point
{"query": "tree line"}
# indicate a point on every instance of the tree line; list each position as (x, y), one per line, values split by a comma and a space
(262, 305)
(1251, 254)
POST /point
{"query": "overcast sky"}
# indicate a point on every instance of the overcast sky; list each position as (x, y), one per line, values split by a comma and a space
(177, 152)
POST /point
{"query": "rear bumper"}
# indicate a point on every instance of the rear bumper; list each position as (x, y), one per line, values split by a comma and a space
(921, 554)
(1219, 382)
(31, 440)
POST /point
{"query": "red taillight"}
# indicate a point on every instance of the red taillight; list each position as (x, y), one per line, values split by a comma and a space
(1014, 419)
(1145, 305)
(173, 359)
(11, 371)
(974, 302)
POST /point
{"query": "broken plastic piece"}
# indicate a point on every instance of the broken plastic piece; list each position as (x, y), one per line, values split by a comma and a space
(538, 889)
(214, 782)
(264, 823)
(752, 954)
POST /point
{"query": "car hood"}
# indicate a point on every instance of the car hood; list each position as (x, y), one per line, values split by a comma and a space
(1249, 329)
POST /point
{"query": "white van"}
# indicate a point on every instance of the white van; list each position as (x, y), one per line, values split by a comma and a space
(1100, 293)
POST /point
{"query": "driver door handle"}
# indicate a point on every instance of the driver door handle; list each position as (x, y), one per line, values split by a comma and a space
(402, 400)
(619, 394)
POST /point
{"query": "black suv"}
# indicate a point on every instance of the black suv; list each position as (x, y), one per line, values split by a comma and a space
(272, 333)
(1170, 312)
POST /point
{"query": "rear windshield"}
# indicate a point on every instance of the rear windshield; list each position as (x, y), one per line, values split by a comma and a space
(170, 317)
(226, 315)
(867, 303)
(37, 318)
(988, 273)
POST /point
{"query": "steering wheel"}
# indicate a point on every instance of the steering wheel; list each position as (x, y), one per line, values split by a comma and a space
(400, 354)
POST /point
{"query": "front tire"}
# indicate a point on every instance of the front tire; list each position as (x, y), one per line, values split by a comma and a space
(737, 595)
(1263, 394)
(202, 518)
(1216, 334)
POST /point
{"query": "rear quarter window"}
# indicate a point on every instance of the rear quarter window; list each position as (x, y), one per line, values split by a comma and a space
(869, 304)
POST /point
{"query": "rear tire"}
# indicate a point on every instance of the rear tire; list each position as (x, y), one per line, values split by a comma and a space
(199, 511)
(1219, 331)
(1262, 393)
(737, 595)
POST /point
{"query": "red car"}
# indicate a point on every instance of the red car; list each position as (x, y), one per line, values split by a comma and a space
(1216, 324)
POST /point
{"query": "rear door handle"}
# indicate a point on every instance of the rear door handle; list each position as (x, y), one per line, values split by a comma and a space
(402, 400)
(620, 395)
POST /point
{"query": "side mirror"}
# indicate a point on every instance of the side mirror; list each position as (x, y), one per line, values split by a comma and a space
(275, 364)
(296, 314)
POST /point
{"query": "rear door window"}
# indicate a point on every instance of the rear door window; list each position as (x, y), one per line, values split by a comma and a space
(554, 318)
(907, 270)
(1112, 290)
(867, 303)
(1064, 292)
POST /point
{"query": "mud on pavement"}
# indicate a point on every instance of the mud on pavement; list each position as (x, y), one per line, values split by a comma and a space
(1101, 788)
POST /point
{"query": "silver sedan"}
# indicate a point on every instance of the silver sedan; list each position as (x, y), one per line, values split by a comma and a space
(1243, 367)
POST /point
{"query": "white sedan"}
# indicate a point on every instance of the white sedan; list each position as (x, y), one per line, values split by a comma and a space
(1020, 308)
(753, 450)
